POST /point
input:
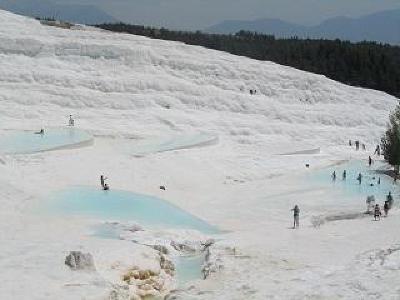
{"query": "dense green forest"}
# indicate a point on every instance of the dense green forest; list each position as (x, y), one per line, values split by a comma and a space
(365, 64)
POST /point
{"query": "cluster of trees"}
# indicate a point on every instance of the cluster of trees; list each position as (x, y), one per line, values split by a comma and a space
(391, 140)
(366, 64)
(52, 19)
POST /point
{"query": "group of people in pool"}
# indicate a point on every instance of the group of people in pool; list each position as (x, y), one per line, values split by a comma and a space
(389, 198)
(359, 178)
(377, 209)
(71, 122)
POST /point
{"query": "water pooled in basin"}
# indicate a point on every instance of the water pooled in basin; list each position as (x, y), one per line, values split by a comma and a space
(125, 206)
(351, 188)
(23, 142)
(188, 268)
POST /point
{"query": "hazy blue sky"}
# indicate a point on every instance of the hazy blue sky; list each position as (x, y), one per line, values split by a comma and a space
(198, 14)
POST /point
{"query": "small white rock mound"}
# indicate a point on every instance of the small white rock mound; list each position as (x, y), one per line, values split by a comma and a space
(78, 260)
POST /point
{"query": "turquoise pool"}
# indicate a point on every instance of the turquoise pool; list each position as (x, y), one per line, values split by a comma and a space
(24, 142)
(350, 187)
(125, 206)
(106, 231)
(188, 268)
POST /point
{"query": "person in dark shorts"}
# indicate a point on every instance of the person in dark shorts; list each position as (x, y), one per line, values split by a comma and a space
(377, 212)
(296, 216)
(386, 208)
(389, 199)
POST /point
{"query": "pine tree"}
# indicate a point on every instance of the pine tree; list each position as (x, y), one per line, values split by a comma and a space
(391, 140)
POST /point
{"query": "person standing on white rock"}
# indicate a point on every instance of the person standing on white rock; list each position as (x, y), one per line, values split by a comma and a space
(386, 208)
(296, 216)
(103, 180)
(377, 150)
(377, 213)
(71, 121)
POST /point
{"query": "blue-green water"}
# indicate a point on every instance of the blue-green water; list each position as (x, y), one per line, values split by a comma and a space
(350, 187)
(188, 268)
(24, 142)
(106, 231)
(125, 206)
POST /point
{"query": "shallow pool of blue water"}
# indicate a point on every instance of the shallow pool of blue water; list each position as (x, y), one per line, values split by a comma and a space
(23, 142)
(106, 231)
(125, 206)
(188, 268)
(350, 186)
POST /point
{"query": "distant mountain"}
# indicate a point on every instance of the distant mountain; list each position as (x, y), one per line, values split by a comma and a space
(84, 14)
(381, 27)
